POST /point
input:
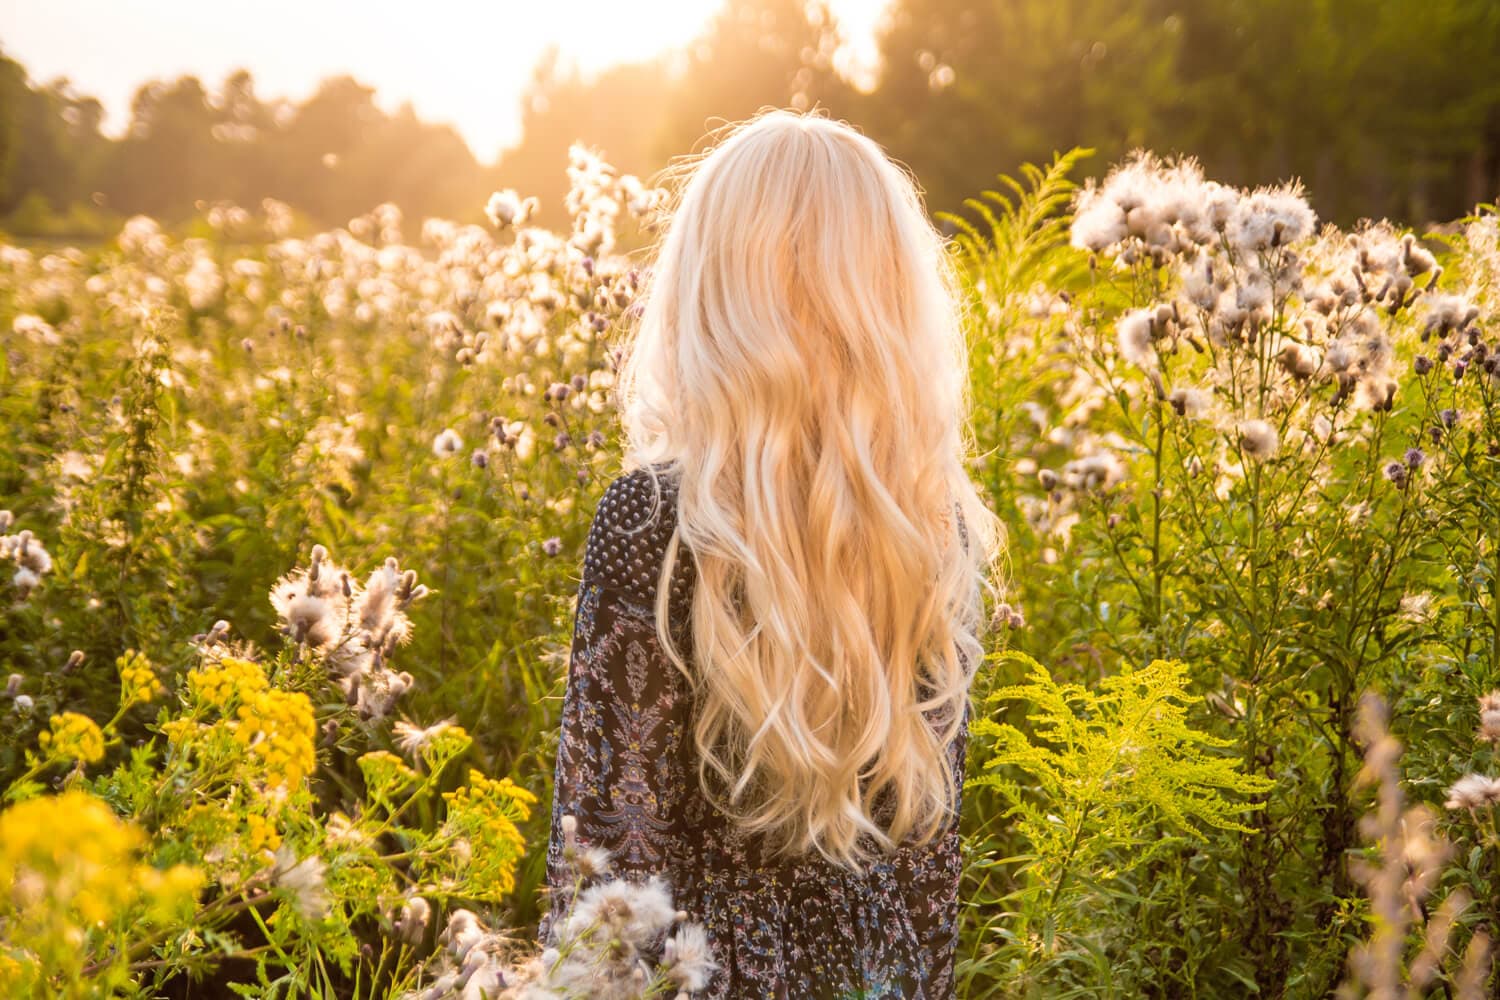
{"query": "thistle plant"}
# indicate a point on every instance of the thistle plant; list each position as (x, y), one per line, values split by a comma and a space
(1220, 435)
(1261, 448)
(258, 820)
(617, 939)
(26, 553)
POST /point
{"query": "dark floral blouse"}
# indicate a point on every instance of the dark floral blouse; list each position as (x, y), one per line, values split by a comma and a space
(626, 770)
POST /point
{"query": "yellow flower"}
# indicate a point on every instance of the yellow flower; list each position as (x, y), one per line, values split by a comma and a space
(224, 830)
(138, 683)
(62, 887)
(179, 731)
(485, 812)
(16, 979)
(279, 730)
(386, 775)
(260, 834)
(73, 737)
(227, 681)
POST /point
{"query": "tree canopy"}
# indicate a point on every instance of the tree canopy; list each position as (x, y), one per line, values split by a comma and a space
(1385, 107)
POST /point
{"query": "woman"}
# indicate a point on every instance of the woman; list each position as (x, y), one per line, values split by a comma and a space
(780, 609)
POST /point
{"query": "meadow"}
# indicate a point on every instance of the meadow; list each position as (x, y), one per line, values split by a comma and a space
(293, 521)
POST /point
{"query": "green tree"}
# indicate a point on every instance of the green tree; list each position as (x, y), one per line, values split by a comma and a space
(754, 53)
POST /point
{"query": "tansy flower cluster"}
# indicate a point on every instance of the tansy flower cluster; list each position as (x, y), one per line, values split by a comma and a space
(71, 736)
(279, 730)
(482, 819)
(138, 681)
(386, 775)
(227, 681)
(71, 870)
(434, 745)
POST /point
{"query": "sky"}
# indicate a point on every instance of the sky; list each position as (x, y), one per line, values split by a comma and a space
(465, 62)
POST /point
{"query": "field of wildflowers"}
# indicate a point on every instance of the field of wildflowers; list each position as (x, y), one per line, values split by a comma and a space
(292, 525)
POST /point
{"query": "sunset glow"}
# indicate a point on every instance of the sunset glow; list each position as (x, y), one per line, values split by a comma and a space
(461, 62)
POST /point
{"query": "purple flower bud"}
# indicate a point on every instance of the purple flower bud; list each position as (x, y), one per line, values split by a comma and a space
(1414, 458)
(1396, 473)
(1423, 364)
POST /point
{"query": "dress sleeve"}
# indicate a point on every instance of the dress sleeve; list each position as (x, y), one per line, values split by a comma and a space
(620, 772)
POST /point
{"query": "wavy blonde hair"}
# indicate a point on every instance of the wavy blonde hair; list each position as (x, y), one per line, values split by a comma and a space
(799, 359)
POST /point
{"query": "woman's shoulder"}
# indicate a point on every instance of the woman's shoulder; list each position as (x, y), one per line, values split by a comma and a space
(631, 532)
(639, 498)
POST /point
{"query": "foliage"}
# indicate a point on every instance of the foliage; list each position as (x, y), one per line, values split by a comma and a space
(191, 416)
(1387, 107)
(263, 821)
(1399, 872)
(1024, 226)
(1266, 451)
(1105, 783)
(1257, 455)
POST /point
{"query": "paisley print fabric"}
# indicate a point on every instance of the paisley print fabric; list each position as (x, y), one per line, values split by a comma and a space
(626, 770)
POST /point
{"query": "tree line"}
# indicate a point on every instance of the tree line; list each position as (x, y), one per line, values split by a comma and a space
(1383, 107)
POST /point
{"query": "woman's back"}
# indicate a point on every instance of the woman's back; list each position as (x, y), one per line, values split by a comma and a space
(780, 734)
(627, 773)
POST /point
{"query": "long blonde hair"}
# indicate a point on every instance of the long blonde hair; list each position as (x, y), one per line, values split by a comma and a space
(799, 359)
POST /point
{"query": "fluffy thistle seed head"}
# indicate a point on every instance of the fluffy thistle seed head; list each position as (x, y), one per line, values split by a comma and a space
(1190, 403)
(1258, 439)
(1489, 717)
(447, 443)
(1136, 331)
(1473, 791)
(1271, 217)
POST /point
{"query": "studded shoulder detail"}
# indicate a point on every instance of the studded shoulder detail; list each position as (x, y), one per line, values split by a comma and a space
(629, 537)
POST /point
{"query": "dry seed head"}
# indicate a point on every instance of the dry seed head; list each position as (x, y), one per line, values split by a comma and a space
(1489, 717)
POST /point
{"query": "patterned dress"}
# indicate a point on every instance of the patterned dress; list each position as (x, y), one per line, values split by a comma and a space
(626, 770)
